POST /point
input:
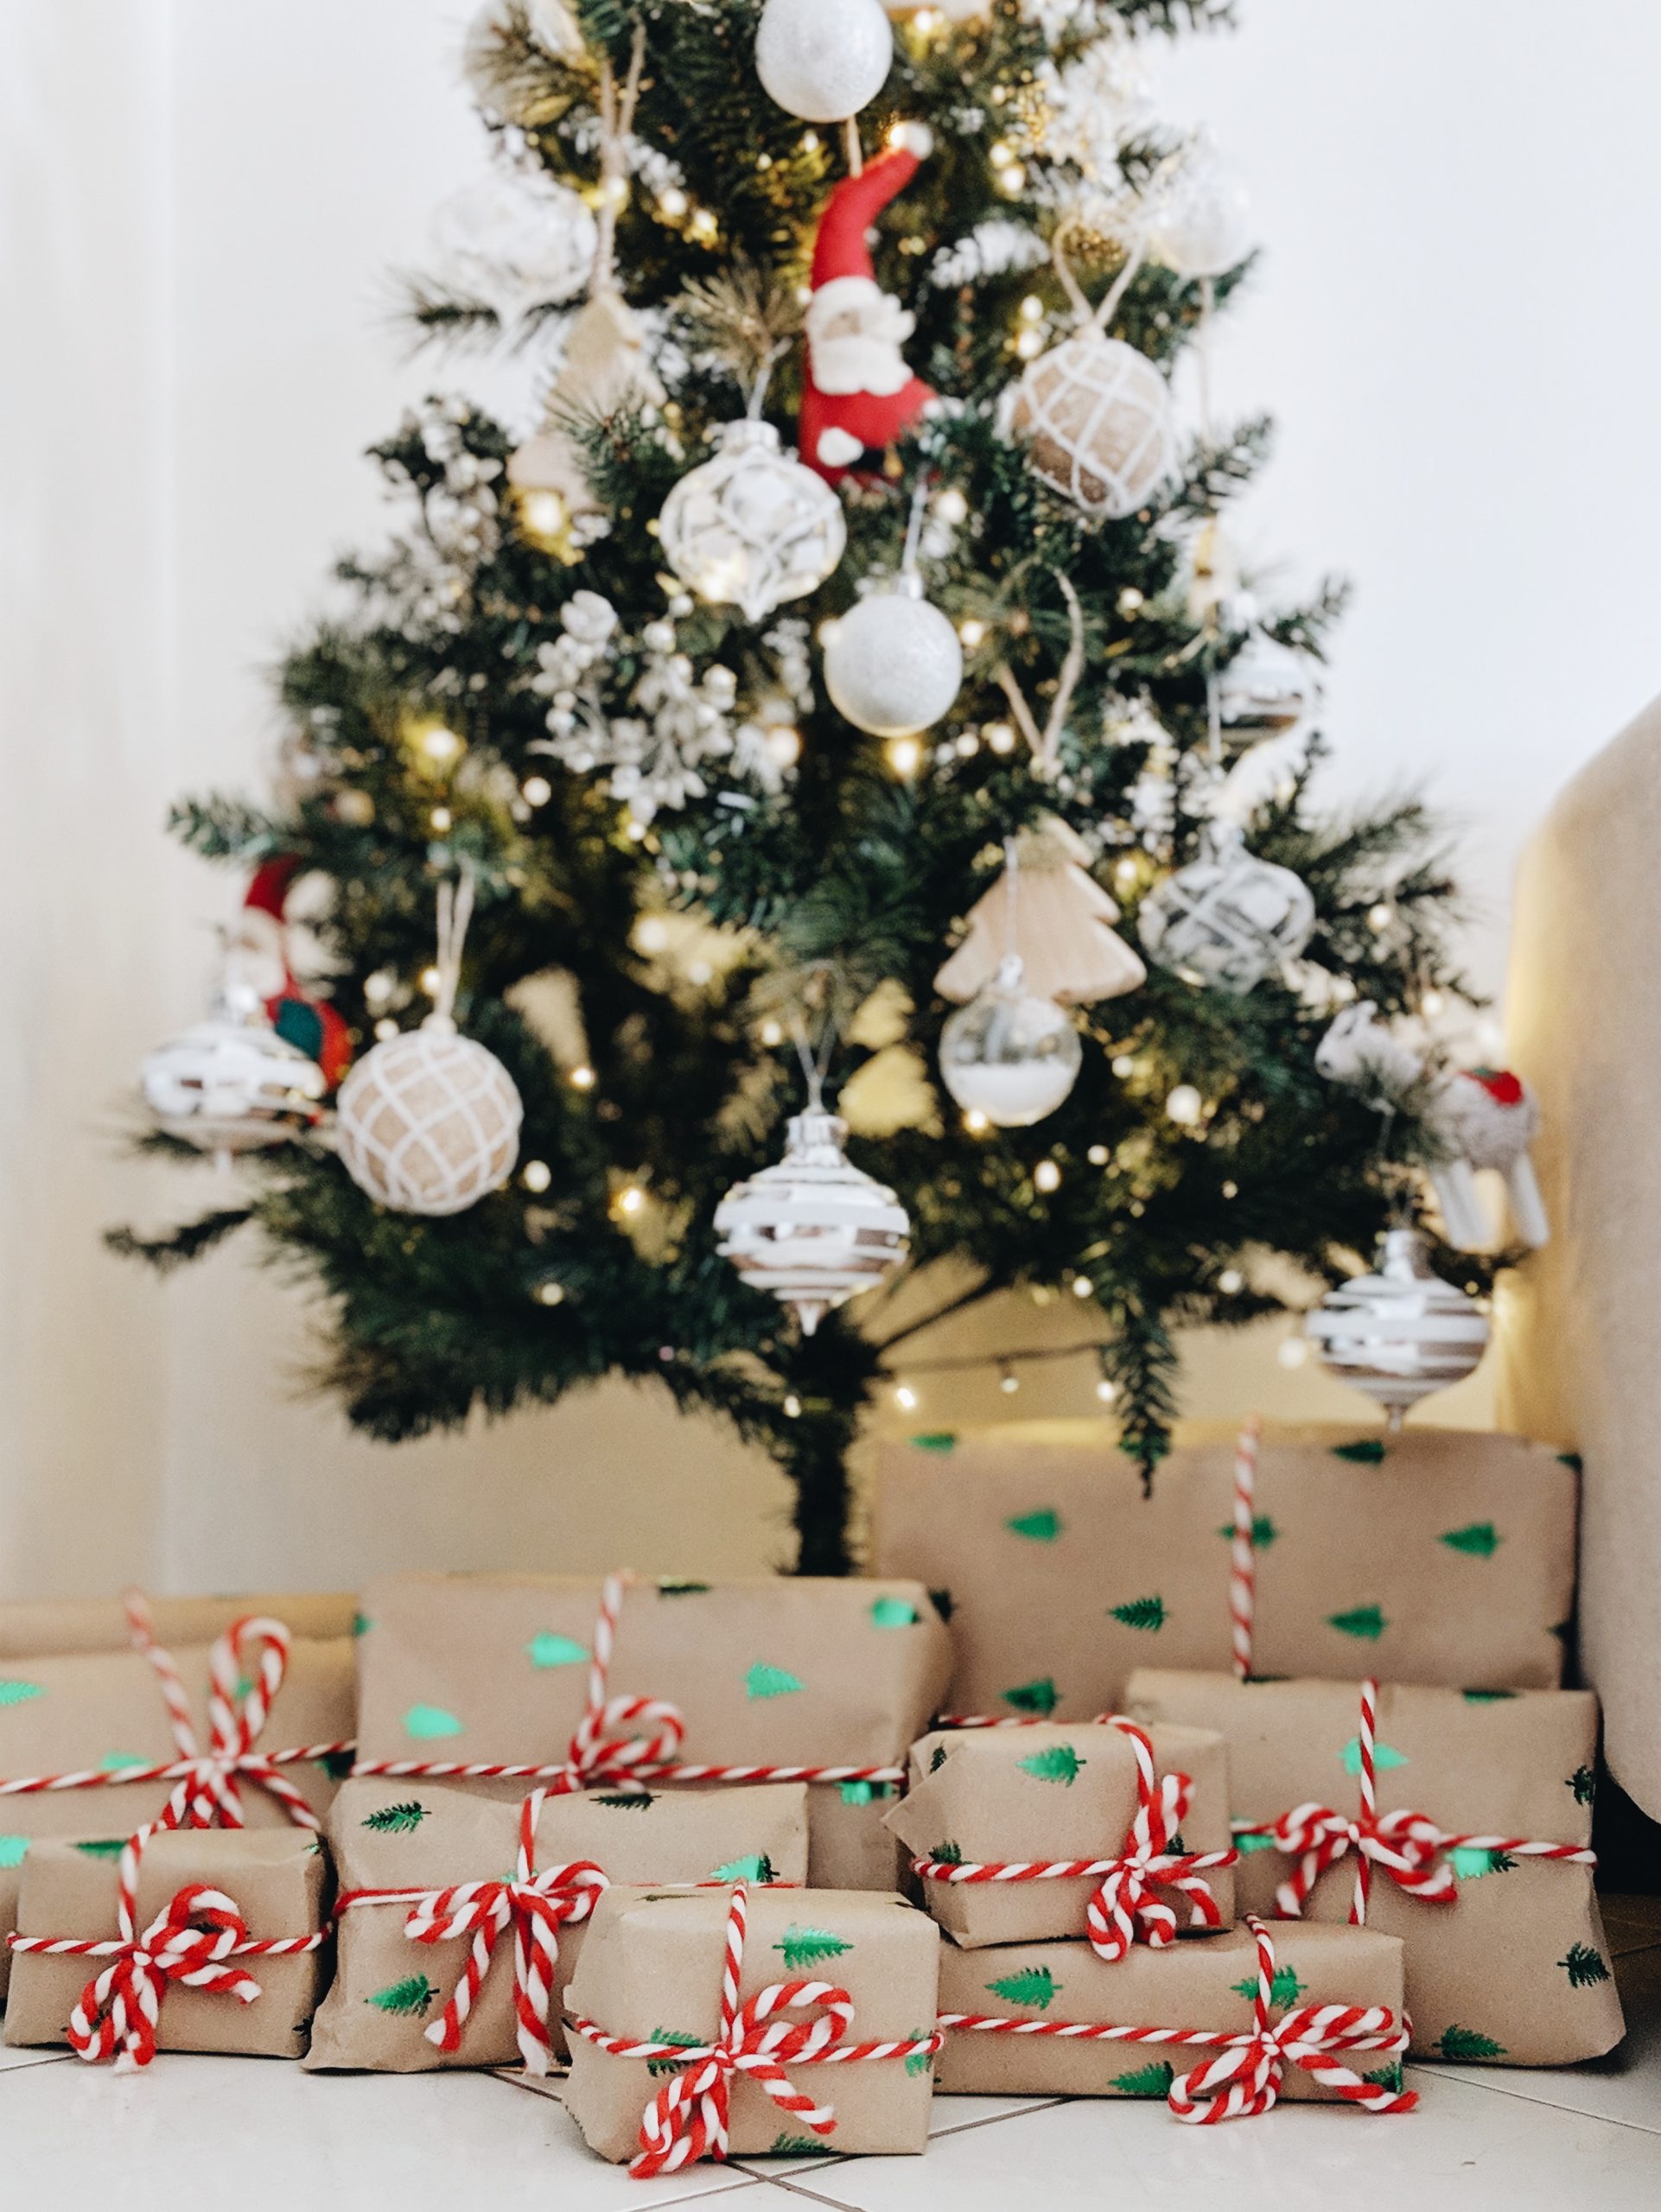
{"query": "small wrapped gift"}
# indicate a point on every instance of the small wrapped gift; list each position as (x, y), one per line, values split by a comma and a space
(1109, 1831)
(1460, 1821)
(256, 1729)
(1443, 1557)
(186, 1939)
(1220, 2029)
(516, 1680)
(753, 2022)
(36, 1628)
(461, 1918)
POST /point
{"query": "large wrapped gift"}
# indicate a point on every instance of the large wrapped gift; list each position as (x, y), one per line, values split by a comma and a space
(1112, 1832)
(751, 2021)
(461, 1918)
(183, 1939)
(1460, 1821)
(1439, 1557)
(35, 1627)
(511, 1680)
(256, 1729)
(1221, 2029)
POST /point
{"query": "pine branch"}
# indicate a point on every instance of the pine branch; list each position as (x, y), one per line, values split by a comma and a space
(176, 1247)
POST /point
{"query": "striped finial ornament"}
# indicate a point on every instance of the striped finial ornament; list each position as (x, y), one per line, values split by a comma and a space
(1400, 1333)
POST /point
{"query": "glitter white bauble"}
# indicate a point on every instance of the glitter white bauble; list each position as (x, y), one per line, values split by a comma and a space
(893, 662)
(1009, 1055)
(514, 238)
(232, 1084)
(1227, 920)
(814, 1230)
(1204, 225)
(428, 1121)
(752, 527)
(1266, 687)
(1400, 1333)
(823, 59)
(1098, 415)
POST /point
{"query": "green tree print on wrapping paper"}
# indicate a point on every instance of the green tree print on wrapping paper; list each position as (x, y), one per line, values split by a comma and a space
(337, 1764)
(1470, 1866)
(919, 2061)
(1487, 1697)
(1481, 1540)
(866, 1793)
(937, 1758)
(628, 1801)
(426, 1721)
(1366, 1452)
(118, 1762)
(758, 1867)
(406, 1999)
(1386, 2077)
(13, 1692)
(1383, 1756)
(402, 1819)
(1263, 1532)
(1245, 1843)
(1285, 1988)
(13, 1849)
(763, 1680)
(1141, 1612)
(947, 1854)
(671, 1585)
(1032, 1985)
(1056, 1763)
(893, 1612)
(786, 2146)
(1040, 1527)
(547, 1650)
(1041, 1697)
(1153, 2080)
(935, 1440)
(100, 1847)
(657, 2068)
(1365, 1621)
(1584, 1783)
(1467, 2043)
(1584, 1966)
(809, 1947)
(361, 1624)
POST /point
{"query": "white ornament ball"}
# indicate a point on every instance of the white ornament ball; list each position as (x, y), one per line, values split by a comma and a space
(232, 1085)
(893, 664)
(1267, 687)
(1098, 415)
(514, 238)
(823, 59)
(1400, 1333)
(428, 1121)
(1009, 1055)
(1203, 227)
(814, 1230)
(752, 527)
(1227, 920)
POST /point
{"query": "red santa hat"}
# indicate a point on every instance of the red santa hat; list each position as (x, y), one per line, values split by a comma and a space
(311, 1023)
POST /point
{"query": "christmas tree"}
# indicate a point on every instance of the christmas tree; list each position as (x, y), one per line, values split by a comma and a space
(734, 777)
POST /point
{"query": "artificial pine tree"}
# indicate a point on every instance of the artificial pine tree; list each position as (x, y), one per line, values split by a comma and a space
(685, 862)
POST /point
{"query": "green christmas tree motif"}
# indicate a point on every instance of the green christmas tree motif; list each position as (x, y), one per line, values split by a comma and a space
(937, 1758)
(1245, 1843)
(1263, 1532)
(1361, 1621)
(919, 2061)
(673, 1587)
(1383, 1755)
(1386, 2077)
(1040, 1527)
(758, 1867)
(402, 1819)
(13, 1849)
(786, 2146)
(942, 1602)
(1481, 1540)
(1467, 2043)
(361, 1624)
(547, 1650)
(1034, 1986)
(1284, 1989)
(1471, 1866)
(1056, 1763)
(936, 1440)
(866, 1793)
(1153, 2080)
(1041, 1697)
(13, 1692)
(1583, 1966)
(337, 1764)
(1141, 1612)
(763, 1680)
(103, 1846)
(1584, 1783)
(628, 1801)
(118, 1762)
(407, 1998)
(947, 1854)
(1487, 1697)
(657, 2068)
(426, 1721)
(1572, 1459)
(1366, 1452)
(809, 1947)
(893, 1612)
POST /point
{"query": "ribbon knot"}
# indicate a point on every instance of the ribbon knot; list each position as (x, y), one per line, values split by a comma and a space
(1127, 1905)
(191, 1941)
(621, 1741)
(1407, 1846)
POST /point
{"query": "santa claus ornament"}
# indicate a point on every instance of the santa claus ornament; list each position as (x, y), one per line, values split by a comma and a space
(857, 393)
(311, 1024)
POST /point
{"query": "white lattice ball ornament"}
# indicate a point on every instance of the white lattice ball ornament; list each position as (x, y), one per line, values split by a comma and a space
(1098, 416)
(752, 527)
(1266, 688)
(516, 238)
(814, 1230)
(1008, 1054)
(231, 1084)
(428, 1121)
(1227, 920)
(823, 59)
(893, 664)
(1400, 1333)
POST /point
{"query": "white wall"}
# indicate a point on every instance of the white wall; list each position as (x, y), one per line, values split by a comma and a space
(1456, 320)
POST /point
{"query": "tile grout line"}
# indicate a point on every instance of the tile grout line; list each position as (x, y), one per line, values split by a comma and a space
(1468, 2077)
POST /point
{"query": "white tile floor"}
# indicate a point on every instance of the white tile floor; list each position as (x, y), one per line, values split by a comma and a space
(266, 2137)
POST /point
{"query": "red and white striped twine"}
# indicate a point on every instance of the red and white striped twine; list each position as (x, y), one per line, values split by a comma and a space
(1245, 2077)
(1126, 1904)
(689, 2118)
(1242, 1547)
(193, 1942)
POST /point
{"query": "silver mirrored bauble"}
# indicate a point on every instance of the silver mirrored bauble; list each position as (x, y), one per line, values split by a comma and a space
(1227, 920)
(823, 59)
(814, 1230)
(1098, 415)
(1266, 687)
(893, 664)
(1400, 1333)
(428, 1121)
(1009, 1055)
(231, 1084)
(752, 527)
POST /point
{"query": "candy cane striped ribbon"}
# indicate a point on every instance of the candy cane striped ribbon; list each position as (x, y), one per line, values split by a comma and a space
(1126, 1904)
(1243, 1546)
(536, 1905)
(1248, 2068)
(689, 2117)
(241, 1689)
(193, 1941)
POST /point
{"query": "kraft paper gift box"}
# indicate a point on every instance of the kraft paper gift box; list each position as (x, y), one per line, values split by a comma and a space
(1019, 1795)
(278, 1882)
(1513, 1968)
(413, 1837)
(1438, 1557)
(1188, 1986)
(33, 1628)
(651, 1971)
(495, 1670)
(101, 1712)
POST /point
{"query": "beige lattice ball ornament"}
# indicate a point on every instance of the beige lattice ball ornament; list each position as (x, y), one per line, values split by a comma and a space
(428, 1121)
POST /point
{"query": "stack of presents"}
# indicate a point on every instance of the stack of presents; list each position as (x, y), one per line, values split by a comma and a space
(1249, 1788)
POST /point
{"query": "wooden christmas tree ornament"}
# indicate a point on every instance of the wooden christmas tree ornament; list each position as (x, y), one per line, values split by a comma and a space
(1047, 908)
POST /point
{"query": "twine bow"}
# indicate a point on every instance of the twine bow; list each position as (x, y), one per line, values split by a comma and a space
(1246, 2076)
(1128, 1903)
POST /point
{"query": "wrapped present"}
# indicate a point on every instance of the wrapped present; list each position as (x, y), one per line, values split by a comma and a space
(256, 1730)
(445, 1957)
(707, 2021)
(508, 1681)
(183, 1939)
(1442, 1557)
(1109, 1831)
(38, 1628)
(1221, 2029)
(1460, 1821)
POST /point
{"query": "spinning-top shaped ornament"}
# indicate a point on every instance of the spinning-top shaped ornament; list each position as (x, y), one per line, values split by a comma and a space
(1400, 1333)
(231, 1084)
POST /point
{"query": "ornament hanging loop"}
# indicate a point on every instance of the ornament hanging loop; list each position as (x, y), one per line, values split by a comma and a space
(454, 912)
(616, 121)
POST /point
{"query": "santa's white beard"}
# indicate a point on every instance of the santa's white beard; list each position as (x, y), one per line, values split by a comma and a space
(857, 364)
